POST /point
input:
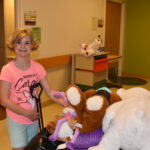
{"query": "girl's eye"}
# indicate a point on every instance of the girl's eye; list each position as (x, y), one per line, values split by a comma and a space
(27, 43)
(18, 42)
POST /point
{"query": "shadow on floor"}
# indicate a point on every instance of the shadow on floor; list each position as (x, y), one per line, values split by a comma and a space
(128, 80)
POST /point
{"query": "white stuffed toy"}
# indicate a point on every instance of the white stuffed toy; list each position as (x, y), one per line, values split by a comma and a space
(90, 49)
(126, 124)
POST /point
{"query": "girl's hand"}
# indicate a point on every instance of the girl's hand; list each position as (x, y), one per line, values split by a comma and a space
(61, 98)
(62, 102)
(32, 115)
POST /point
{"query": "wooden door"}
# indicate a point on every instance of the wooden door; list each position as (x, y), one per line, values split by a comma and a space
(2, 50)
(2, 35)
(113, 24)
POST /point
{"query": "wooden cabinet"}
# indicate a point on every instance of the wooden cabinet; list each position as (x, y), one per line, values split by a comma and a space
(89, 70)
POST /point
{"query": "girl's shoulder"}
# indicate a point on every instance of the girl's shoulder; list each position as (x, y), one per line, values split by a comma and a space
(6, 71)
(9, 65)
(36, 65)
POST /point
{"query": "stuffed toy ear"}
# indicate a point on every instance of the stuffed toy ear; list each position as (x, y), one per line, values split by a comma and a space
(90, 93)
(114, 98)
(83, 46)
(76, 98)
(94, 113)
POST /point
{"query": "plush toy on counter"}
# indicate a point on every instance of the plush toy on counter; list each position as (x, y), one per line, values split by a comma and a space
(91, 49)
(126, 123)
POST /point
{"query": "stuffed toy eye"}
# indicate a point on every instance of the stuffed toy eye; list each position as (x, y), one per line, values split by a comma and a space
(73, 96)
(94, 103)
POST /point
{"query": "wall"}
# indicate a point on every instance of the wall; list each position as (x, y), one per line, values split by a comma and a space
(137, 43)
(65, 24)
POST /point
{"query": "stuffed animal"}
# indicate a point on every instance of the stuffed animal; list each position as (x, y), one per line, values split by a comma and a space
(63, 131)
(90, 49)
(126, 123)
(80, 126)
(90, 107)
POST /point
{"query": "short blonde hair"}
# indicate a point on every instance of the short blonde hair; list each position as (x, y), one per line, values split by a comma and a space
(18, 35)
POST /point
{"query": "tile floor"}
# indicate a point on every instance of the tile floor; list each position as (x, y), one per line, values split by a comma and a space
(49, 112)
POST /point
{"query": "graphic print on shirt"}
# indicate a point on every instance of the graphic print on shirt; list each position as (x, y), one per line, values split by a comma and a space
(23, 91)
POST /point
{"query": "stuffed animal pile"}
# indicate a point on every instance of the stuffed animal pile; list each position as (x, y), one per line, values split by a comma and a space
(89, 107)
(91, 49)
(126, 124)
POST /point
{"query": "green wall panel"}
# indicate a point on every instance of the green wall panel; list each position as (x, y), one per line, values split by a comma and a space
(137, 38)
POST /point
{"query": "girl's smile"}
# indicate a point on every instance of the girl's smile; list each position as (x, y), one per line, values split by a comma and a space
(23, 47)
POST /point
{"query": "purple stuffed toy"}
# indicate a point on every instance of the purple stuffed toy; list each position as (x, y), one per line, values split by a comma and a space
(63, 129)
(82, 141)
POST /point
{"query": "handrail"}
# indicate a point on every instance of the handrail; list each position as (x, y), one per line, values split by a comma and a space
(50, 62)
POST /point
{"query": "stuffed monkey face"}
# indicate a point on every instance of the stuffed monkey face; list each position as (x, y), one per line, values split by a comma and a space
(90, 108)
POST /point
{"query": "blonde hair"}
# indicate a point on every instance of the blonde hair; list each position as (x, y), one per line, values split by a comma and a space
(17, 37)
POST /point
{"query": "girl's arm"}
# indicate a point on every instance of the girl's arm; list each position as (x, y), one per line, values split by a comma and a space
(6, 102)
(50, 92)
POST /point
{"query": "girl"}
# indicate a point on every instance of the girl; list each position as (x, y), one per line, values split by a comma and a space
(16, 77)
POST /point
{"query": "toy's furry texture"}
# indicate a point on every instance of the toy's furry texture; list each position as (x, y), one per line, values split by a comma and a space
(126, 124)
(85, 140)
(89, 106)
(90, 49)
(83, 115)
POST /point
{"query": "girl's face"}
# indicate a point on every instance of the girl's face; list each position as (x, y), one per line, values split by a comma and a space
(23, 47)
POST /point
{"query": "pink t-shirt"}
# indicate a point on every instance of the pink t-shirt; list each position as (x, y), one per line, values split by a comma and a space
(20, 81)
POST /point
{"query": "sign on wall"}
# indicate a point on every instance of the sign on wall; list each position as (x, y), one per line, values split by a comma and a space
(30, 18)
(37, 33)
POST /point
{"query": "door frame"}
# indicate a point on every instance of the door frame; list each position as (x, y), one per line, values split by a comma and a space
(122, 37)
(122, 31)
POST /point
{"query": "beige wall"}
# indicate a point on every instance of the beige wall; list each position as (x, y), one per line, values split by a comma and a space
(59, 78)
(64, 23)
